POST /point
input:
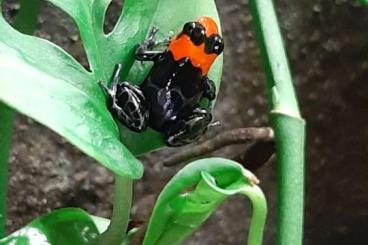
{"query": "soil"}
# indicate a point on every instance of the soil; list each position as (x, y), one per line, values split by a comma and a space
(327, 46)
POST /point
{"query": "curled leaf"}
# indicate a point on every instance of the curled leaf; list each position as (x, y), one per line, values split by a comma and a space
(195, 193)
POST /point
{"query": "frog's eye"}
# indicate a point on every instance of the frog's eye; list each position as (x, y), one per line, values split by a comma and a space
(195, 31)
(214, 44)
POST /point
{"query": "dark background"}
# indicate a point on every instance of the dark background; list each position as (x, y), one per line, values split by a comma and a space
(327, 44)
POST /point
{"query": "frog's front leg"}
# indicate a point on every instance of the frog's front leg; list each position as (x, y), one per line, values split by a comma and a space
(188, 128)
(209, 89)
(127, 102)
(145, 51)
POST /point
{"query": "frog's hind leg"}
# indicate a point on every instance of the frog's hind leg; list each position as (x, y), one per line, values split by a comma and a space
(188, 128)
(130, 107)
(126, 102)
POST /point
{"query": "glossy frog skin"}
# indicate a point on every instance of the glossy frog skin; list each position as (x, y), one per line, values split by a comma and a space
(168, 99)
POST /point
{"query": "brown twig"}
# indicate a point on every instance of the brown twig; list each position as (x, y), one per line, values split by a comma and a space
(257, 155)
(230, 137)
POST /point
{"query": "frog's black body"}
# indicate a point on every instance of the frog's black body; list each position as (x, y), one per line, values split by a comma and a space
(167, 100)
(172, 88)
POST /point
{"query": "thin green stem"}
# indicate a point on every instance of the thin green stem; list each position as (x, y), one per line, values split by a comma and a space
(117, 230)
(259, 214)
(287, 123)
(6, 125)
(25, 22)
(279, 82)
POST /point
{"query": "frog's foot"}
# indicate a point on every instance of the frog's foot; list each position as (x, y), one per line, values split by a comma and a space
(129, 106)
(189, 128)
(147, 50)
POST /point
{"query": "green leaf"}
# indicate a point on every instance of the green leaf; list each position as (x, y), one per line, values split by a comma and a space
(195, 192)
(25, 22)
(42, 81)
(60, 227)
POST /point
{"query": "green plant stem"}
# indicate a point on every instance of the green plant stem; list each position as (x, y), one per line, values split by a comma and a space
(6, 125)
(290, 137)
(287, 123)
(25, 22)
(117, 230)
(259, 213)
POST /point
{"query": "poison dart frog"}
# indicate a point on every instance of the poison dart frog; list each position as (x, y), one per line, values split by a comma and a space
(168, 99)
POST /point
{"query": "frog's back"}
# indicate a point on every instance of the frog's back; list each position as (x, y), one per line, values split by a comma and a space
(172, 88)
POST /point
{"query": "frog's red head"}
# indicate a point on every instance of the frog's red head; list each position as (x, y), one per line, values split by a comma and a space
(199, 41)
